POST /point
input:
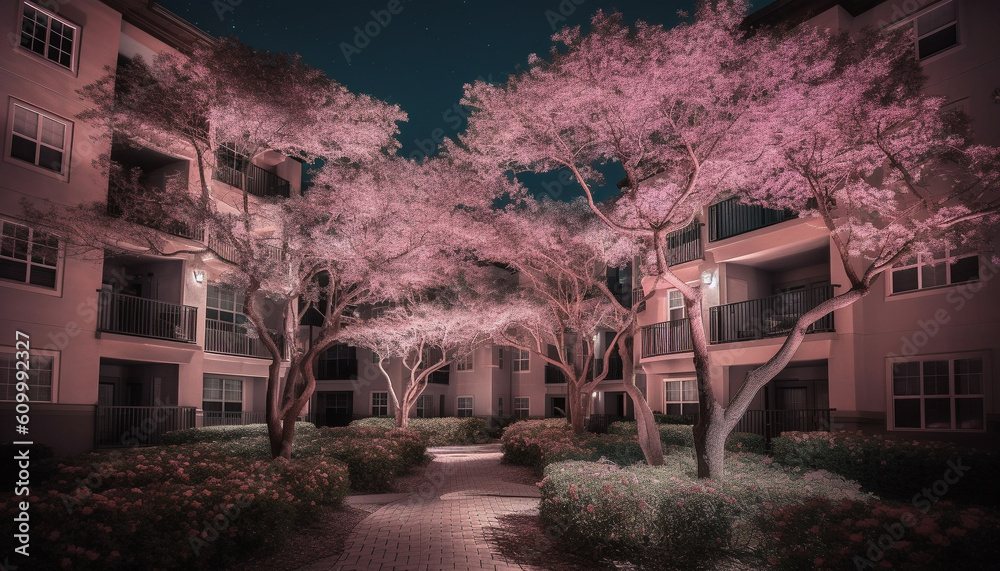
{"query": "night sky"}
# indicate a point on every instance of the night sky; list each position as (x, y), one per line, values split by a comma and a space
(419, 57)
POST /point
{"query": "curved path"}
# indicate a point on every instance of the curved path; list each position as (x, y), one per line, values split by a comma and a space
(443, 524)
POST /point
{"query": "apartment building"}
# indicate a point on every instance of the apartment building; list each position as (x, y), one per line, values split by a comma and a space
(916, 357)
(122, 347)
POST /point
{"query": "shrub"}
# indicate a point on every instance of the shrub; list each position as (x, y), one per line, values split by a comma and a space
(444, 431)
(223, 433)
(374, 455)
(673, 418)
(652, 515)
(537, 443)
(172, 507)
(683, 435)
(825, 534)
(893, 468)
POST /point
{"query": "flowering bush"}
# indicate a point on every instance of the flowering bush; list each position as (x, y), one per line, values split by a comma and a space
(653, 515)
(445, 431)
(537, 443)
(825, 534)
(890, 467)
(192, 506)
(374, 456)
(676, 434)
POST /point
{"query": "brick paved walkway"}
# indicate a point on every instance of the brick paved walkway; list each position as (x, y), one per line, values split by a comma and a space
(442, 525)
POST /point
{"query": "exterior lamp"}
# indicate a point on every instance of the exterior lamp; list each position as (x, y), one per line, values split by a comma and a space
(199, 276)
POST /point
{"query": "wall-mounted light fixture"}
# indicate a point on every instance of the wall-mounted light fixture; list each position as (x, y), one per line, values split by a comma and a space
(199, 276)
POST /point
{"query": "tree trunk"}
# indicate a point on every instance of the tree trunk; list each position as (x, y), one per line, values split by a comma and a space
(649, 433)
(710, 434)
(574, 401)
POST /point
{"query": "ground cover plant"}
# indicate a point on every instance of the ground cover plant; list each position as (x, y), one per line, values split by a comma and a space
(896, 468)
(537, 443)
(215, 499)
(445, 431)
(676, 434)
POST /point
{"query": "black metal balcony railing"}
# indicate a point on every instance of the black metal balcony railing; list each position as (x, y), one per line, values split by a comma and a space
(440, 377)
(130, 315)
(232, 339)
(254, 180)
(117, 426)
(730, 218)
(553, 375)
(771, 423)
(616, 368)
(769, 316)
(666, 338)
(684, 245)
(172, 227)
(219, 418)
(229, 253)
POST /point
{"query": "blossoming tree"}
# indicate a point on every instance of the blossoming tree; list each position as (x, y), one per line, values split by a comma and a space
(833, 128)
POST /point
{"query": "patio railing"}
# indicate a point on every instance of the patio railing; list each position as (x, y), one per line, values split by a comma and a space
(131, 315)
(121, 426)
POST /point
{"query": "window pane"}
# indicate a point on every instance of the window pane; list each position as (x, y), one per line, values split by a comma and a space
(23, 149)
(968, 376)
(932, 275)
(937, 413)
(938, 42)
(50, 159)
(969, 414)
(689, 409)
(964, 270)
(936, 378)
(690, 391)
(45, 277)
(936, 18)
(907, 413)
(906, 378)
(674, 391)
(53, 133)
(904, 280)
(674, 409)
(25, 122)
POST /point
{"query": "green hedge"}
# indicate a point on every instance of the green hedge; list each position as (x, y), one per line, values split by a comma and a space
(683, 435)
(374, 456)
(895, 468)
(665, 517)
(444, 431)
(223, 433)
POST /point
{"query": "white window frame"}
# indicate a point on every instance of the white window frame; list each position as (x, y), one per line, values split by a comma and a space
(459, 408)
(224, 381)
(74, 48)
(666, 392)
(26, 284)
(421, 407)
(33, 379)
(925, 260)
(672, 304)
(917, 36)
(63, 172)
(371, 401)
(985, 396)
(522, 360)
(518, 402)
(465, 362)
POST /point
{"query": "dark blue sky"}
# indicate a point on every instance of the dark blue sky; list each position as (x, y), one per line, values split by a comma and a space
(419, 57)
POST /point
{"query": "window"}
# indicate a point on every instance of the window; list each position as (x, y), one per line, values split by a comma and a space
(681, 397)
(380, 403)
(521, 360)
(464, 363)
(28, 255)
(224, 305)
(222, 399)
(500, 358)
(675, 305)
(925, 271)
(500, 406)
(521, 407)
(39, 139)
(425, 406)
(338, 362)
(464, 407)
(937, 30)
(939, 394)
(48, 36)
(40, 369)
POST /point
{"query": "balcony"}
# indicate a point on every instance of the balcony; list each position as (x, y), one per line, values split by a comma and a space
(254, 180)
(173, 227)
(615, 367)
(233, 339)
(440, 377)
(117, 426)
(731, 218)
(666, 338)
(637, 301)
(772, 316)
(684, 245)
(553, 375)
(131, 315)
(229, 253)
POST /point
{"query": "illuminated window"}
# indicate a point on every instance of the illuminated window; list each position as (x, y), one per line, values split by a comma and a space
(521, 360)
(681, 397)
(464, 407)
(380, 403)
